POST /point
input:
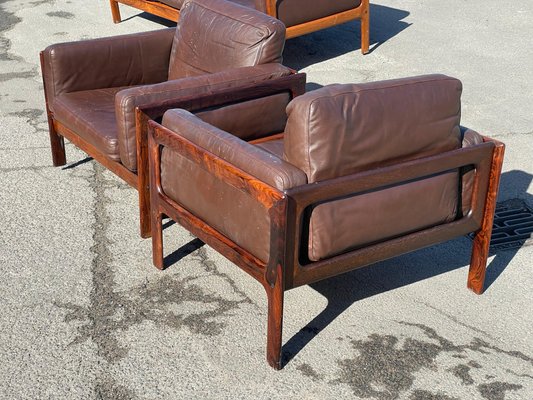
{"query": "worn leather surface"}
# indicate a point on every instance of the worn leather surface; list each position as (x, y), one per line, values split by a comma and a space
(251, 119)
(126, 60)
(470, 138)
(126, 100)
(216, 35)
(274, 147)
(232, 212)
(294, 12)
(173, 3)
(248, 3)
(91, 114)
(342, 129)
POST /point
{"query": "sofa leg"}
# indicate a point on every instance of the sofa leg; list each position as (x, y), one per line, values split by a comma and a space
(365, 30)
(115, 11)
(478, 262)
(275, 323)
(57, 144)
(157, 239)
(480, 247)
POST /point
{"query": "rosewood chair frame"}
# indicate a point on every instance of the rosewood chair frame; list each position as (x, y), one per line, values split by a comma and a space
(362, 13)
(287, 266)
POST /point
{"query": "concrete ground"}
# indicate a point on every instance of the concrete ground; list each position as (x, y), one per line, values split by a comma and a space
(85, 315)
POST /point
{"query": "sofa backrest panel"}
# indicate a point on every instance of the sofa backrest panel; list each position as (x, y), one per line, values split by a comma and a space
(213, 35)
(341, 129)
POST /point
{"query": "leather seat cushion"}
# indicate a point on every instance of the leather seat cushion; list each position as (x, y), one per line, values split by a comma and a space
(173, 3)
(294, 12)
(274, 147)
(91, 114)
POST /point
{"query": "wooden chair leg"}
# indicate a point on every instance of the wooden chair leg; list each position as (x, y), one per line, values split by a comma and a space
(275, 323)
(144, 208)
(115, 11)
(365, 29)
(57, 144)
(480, 247)
(157, 239)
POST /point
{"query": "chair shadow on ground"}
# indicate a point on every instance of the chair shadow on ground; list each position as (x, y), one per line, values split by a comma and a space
(303, 51)
(344, 290)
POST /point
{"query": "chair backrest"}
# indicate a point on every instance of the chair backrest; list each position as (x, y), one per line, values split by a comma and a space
(342, 129)
(214, 35)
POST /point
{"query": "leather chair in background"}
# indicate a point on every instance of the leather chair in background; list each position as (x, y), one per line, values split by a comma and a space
(299, 16)
(93, 87)
(350, 175)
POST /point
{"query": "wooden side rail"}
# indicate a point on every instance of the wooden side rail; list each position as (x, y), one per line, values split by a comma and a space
(300, 198)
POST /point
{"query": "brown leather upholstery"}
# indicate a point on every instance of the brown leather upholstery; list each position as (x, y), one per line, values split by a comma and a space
(127, 100)
(173, 3)
(342, 129)
(91, 114)
(405, 193)
(470, 138)
(126, 60)
(234, 213)
(139, 63)
(217, 35)
(250, 120)
(294, 12)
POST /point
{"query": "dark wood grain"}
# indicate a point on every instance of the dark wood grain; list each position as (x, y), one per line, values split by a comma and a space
(481, 244)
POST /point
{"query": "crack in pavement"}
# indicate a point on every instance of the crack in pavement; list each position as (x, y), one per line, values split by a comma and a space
(111, 312)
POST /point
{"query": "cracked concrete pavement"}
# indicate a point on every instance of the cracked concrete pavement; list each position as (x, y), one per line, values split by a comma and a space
(85, 315)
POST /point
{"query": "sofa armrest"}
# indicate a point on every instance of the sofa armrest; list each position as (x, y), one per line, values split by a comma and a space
(245, 156)
(171, 91)
(126, 60)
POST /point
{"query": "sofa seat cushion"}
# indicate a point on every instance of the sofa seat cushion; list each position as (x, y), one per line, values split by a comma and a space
(274, 147)
(173, 3)
(296, 12)
(91, 114)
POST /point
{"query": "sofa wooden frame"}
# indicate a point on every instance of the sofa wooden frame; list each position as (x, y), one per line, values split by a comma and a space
(362, 12)
(288, 210)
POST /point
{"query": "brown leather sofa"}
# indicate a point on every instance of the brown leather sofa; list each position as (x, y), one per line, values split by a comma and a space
(348, 176)
(299, 16)
(93, 87)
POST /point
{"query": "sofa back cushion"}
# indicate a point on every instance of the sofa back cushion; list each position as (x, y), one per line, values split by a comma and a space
(214, 35)
(343, 129)
(294, 12)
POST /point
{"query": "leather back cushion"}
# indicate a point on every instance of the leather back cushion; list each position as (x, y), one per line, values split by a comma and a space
(343, 129)
(213, 35)
(293, 12)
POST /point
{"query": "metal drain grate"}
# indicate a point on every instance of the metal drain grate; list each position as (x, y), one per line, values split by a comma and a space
(513, 225)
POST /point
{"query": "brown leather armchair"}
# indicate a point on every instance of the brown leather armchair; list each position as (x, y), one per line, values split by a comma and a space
(299, 16)
(93, 87)
(362, 173)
